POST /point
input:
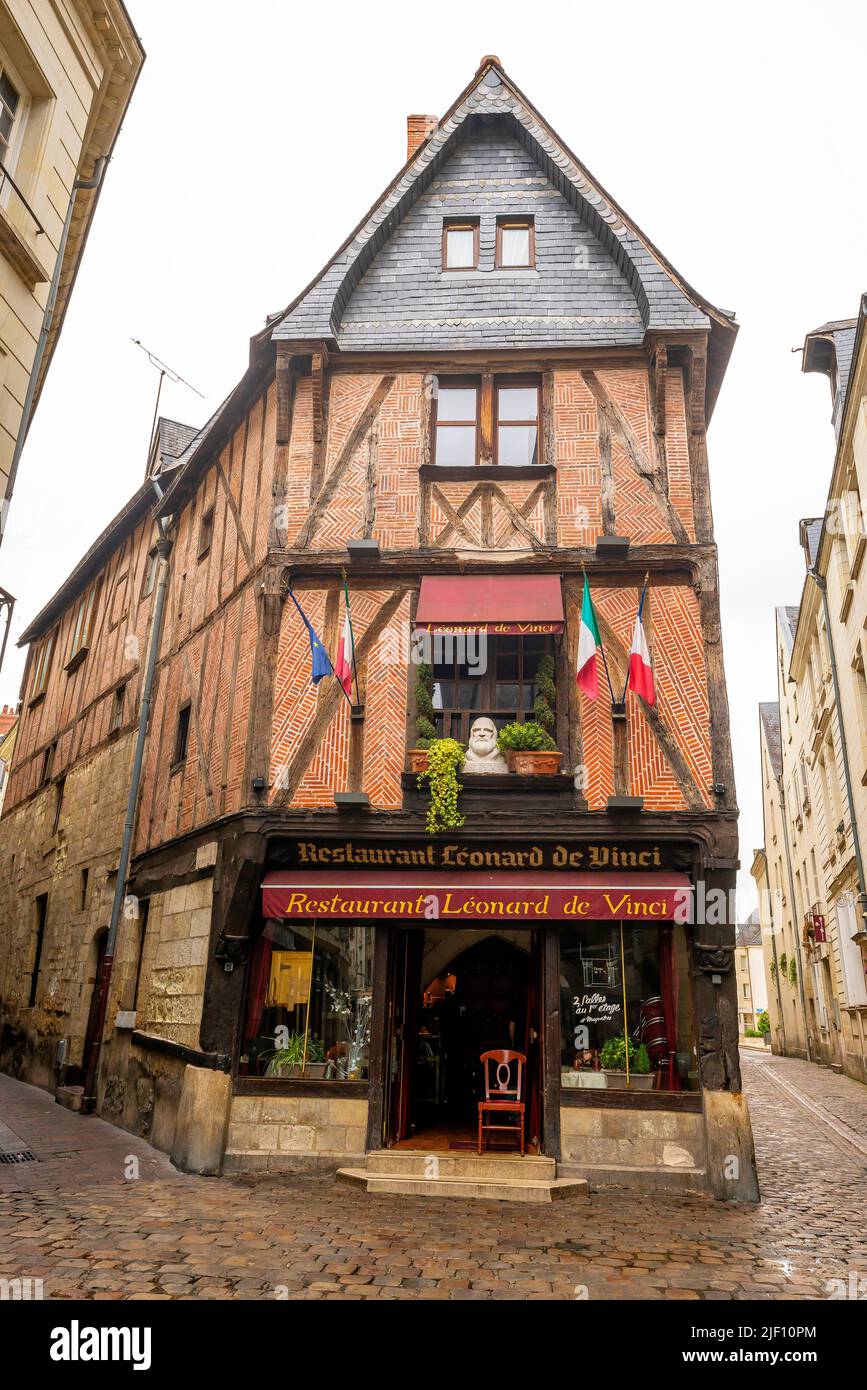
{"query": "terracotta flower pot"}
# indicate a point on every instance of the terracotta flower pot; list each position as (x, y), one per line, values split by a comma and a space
(535, 764)
(418, 759)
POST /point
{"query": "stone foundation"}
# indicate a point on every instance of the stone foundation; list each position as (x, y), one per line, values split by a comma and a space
(635, 1148)
(294, 1134)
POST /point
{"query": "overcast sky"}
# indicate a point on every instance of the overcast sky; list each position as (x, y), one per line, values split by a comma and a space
(259, 134)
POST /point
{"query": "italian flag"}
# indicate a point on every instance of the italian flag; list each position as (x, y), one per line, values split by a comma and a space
(640, 670)
(343, 664)
(588, 641)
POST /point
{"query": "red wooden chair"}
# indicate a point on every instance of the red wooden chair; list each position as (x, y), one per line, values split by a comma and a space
(503, 1095)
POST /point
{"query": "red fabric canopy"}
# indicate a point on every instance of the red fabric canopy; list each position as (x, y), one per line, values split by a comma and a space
(506, 603)
(641, 899)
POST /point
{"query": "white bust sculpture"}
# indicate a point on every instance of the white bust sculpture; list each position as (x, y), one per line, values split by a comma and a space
(483, 755)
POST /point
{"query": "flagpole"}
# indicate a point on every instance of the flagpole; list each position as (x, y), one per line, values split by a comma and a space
(601, 647)
(640, 611)
(351, 637)
(306, 623)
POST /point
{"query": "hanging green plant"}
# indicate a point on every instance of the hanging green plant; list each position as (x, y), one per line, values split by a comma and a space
(445, 757)
(543, 705)
(793, 971)
(773, 970)
(784, 962)
(425, 727)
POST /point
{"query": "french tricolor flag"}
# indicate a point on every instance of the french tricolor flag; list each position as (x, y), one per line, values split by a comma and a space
(640, 669)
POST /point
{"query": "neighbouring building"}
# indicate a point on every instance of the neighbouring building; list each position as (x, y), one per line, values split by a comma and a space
(495, 392)
(750, 973)
(67, 72)
(8, 734)
(814, 752)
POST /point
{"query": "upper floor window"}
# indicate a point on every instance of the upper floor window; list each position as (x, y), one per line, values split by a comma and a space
(41, 664)
(10, 102)
(516, 243)
(457, 423)
(182, 736)
(517, 407)
(503, 411)
(504, 691)
(82, 625)
(461, 244)
(150, 573)
(206, 533)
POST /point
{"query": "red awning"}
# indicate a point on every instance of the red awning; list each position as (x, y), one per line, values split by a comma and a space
(506, 603)
(519, 897)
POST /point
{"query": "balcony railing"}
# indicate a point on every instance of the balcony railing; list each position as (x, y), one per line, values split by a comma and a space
(6, 177)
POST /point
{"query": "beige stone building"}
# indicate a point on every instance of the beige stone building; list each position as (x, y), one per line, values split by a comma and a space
(814, 751)
(750, 974)
(67, 72)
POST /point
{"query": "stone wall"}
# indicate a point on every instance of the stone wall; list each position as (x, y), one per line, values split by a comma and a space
(36, 858)
(294, 1133)
(646, 1148)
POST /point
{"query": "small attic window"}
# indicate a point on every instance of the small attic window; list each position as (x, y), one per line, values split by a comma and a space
(516, 243)
(461, 244)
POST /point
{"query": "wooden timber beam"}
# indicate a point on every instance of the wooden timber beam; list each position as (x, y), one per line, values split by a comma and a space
(343, 460)
(622, 431)
(331, 699)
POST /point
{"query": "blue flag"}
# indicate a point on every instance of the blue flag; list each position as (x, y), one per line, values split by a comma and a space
(320, 664)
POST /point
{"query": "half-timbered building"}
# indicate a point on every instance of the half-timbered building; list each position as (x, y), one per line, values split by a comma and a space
(496, 392)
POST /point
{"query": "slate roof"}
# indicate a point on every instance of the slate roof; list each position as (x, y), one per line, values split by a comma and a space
(174, 439)
(811, 535)
(769, 714)
(750, 934)
(493, 153)
(832, 343)
(787, 616)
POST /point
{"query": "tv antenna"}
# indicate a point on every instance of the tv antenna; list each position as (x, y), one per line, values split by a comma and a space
(164, 371)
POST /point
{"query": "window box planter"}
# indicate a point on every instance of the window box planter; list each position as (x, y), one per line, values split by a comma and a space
(417, 759)
(525, 763)
(638, 1081)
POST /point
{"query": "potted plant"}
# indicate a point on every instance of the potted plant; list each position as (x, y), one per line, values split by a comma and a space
(290, 1060)
(425, 729)
(530, 749)
(613, 1060)
(445, 759)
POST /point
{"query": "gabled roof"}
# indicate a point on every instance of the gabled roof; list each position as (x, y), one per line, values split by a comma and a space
(787, 617)
(750, 934)
(769, 716)
(664, 298)
(173, 438)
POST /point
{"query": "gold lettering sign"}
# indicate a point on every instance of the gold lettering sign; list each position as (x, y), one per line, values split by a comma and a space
(316, 854)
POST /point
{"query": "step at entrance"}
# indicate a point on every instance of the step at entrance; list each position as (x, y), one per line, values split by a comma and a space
(495, 1177)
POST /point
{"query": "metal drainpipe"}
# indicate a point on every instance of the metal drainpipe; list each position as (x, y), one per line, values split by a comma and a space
(797, 934)
(164, 546)
(822, 586)
(79, 186)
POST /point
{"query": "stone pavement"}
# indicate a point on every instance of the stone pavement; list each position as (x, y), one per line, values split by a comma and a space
(76, 1221)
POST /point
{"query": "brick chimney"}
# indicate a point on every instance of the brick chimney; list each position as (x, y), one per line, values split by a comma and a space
(418, 128)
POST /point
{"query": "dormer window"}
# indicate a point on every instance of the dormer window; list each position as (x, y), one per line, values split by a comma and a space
(461, 244)
(516, 243)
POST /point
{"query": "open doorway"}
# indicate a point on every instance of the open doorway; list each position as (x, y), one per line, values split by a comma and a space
(456, 995)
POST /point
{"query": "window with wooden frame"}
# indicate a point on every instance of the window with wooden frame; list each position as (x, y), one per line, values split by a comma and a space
(117, 708)
(41, 664)
(516, 243)
(456, 422)
(47, 763)
(41, 919)
(517, 404)
(461, 243)
(182, 736)
(150, 574)
(82, 626)
(505, 692)
(505, 411)
(206, 533)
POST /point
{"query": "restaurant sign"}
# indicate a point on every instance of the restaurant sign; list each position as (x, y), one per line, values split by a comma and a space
(517, 898)
(436, 854)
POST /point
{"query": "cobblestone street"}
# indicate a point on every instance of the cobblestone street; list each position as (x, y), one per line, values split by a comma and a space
(75, 1221)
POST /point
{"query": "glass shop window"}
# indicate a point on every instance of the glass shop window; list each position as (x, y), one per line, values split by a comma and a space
(308, 1002)
(485, 674)
(626, 988)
